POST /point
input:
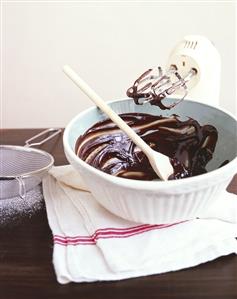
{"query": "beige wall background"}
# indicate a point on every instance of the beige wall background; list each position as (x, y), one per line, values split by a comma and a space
(109, 44)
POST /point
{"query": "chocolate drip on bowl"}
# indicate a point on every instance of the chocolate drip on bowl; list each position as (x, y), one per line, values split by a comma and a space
(189, 145)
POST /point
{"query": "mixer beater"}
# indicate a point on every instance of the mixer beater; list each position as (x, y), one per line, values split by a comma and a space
(193, 68)
(154, 85)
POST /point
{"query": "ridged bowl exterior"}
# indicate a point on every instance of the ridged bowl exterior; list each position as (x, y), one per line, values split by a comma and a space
(155, 202)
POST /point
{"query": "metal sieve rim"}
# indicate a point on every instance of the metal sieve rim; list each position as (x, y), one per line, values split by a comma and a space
(27, 149)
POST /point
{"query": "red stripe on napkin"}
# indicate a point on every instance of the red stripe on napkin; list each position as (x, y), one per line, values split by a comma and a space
(108, 233)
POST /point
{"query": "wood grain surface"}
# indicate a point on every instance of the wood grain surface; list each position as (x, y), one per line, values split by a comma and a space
(26, 269)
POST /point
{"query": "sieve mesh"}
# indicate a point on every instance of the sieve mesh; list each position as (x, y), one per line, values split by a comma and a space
(16, 161)
(21, 169)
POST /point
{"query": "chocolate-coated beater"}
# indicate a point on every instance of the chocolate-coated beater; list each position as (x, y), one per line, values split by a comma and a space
(154, 85)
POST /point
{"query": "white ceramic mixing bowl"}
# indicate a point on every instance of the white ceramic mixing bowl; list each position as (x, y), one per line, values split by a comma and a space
(159, 201)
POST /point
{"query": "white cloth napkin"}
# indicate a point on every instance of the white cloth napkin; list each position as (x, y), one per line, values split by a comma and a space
(92, 244)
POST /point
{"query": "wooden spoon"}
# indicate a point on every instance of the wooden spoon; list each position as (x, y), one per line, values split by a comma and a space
(159, 162)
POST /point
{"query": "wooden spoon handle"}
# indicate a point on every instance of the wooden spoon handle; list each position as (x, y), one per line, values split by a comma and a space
(107, 110)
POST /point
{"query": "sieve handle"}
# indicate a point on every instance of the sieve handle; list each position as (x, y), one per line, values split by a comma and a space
(53, 132)
(22, 187)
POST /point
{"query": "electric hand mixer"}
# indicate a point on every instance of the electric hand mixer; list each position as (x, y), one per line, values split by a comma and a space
(193, 67)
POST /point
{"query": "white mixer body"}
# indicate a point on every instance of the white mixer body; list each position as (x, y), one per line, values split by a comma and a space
(198, 52)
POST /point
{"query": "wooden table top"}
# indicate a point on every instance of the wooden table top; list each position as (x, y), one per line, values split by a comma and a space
(26, 269)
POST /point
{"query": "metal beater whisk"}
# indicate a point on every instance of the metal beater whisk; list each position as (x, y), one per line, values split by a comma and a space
(154, 85)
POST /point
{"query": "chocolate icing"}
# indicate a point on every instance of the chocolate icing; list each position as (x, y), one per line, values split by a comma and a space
(189, 145)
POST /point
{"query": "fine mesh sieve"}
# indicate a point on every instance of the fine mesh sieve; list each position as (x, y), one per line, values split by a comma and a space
(22, 167)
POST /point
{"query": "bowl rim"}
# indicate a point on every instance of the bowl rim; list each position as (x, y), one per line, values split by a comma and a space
(142, 184)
